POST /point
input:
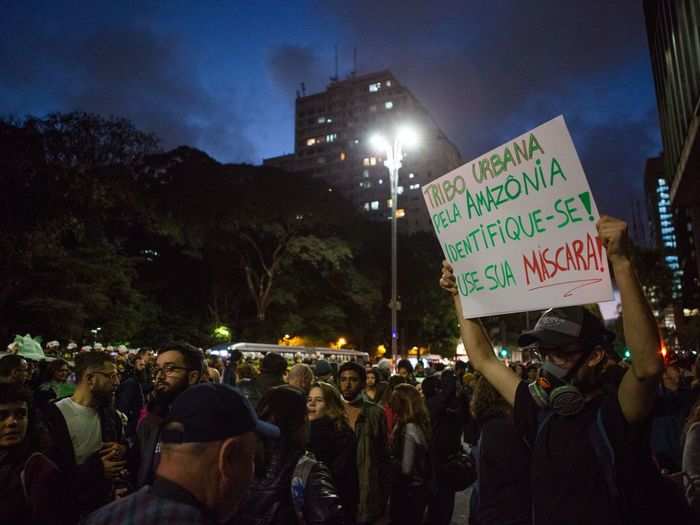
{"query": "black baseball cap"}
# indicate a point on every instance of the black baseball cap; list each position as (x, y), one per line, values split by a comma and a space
(213, 412)
(567, 327)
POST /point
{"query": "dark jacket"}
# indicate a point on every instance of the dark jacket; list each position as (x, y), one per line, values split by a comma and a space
(250, 389)
(86, 483)
(130, 401)
(373, 463)
(446, 420)
(266, 381)
(269, 498)
(41, 497)
(147, 434)
(336, 449)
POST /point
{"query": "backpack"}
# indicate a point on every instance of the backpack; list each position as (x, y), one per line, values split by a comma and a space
(300, 479)
(669, 502)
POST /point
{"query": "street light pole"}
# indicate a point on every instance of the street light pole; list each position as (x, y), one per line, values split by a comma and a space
(394, 156)
(394, 165)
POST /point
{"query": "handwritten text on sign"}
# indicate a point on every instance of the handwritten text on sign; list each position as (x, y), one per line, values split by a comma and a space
(518, 226)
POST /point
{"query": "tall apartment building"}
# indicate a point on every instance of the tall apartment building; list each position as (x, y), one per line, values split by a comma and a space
(331, 141)
(673, 31)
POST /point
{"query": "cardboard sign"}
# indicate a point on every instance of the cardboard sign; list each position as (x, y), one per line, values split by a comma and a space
(518, 226)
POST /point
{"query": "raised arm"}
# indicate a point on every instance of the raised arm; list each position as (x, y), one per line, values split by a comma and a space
(637, 390)
(478, 345)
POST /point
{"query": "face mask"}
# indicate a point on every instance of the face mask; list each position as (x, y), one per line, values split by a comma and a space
(553, 390)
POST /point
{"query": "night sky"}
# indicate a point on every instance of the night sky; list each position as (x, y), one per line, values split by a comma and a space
(221, 76)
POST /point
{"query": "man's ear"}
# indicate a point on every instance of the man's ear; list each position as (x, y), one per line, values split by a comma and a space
(227, 454)
(194, 377)
(597, 355)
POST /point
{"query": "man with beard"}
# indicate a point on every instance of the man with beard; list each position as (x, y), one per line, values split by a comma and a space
(178, 367)
(369, 424)
(87, 433)
(590, 450)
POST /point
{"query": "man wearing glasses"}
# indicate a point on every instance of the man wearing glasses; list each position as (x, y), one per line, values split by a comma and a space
(178, 367)
(87, 433)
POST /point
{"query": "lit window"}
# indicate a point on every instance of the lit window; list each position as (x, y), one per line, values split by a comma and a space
(331, 137)
(400, 213)
(374, 205)
(365, 184)
(365, 161)
(411, 175)
(321, 120)
(310, 142)
(342, 155)
(357, 141)
(387, 83)
(365, 174)
(381, 181)
(373, 88)
(329, 120)
(373, 161)
(388, 104)
(389, 203)
(366, 206)
(399, 190)
(414, 186)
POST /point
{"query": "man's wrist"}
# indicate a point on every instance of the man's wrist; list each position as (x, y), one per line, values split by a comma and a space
(621, 264)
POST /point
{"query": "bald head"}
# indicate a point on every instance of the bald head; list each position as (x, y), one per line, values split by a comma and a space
(301, 376)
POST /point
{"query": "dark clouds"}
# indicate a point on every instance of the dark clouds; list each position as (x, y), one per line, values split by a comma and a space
(130, 71)
(289, 66)
(489, 71)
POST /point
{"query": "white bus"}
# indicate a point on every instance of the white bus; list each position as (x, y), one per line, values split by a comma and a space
(256, 350)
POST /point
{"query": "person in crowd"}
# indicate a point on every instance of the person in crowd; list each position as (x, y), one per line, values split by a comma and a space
(374, 390)
(209, 373)
(368, 422)
(446, 421)
(32, 486)
(502, 492)
(55, 383)
(695, 380)
(206, 463)
(410, 484)
(460, 370)
(332, 441)
(405, 370)
(324, 371)
(247, 384)
(384, 365)
(88, 434)
(565, 417)
(131, 395)
(217, 363)
(419, 369)
(691, 458)
(533, 371)
(673, 402)
(385, 402)
(235, 359)
(269, 500)
(178, 367)
(14, 369)
(301, 376)
(272, 370)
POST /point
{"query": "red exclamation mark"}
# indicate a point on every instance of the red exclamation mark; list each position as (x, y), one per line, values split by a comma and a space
(599, 241)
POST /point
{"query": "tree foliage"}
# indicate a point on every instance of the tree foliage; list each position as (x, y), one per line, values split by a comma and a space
(102, 229)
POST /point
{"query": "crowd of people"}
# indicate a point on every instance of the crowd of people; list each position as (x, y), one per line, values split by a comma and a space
(173, 435)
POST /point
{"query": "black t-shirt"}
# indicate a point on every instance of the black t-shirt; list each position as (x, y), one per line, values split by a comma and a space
(504, 474)
(568, 480)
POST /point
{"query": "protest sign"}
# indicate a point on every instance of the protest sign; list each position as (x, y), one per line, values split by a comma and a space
(518, 226)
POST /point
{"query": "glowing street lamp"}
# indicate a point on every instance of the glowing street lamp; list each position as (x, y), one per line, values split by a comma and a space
(404, 137)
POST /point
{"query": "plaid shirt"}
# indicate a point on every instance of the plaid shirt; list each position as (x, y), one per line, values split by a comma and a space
(163, 503)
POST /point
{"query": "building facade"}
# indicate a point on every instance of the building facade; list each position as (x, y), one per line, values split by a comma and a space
(673, 31)
(332, 142)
